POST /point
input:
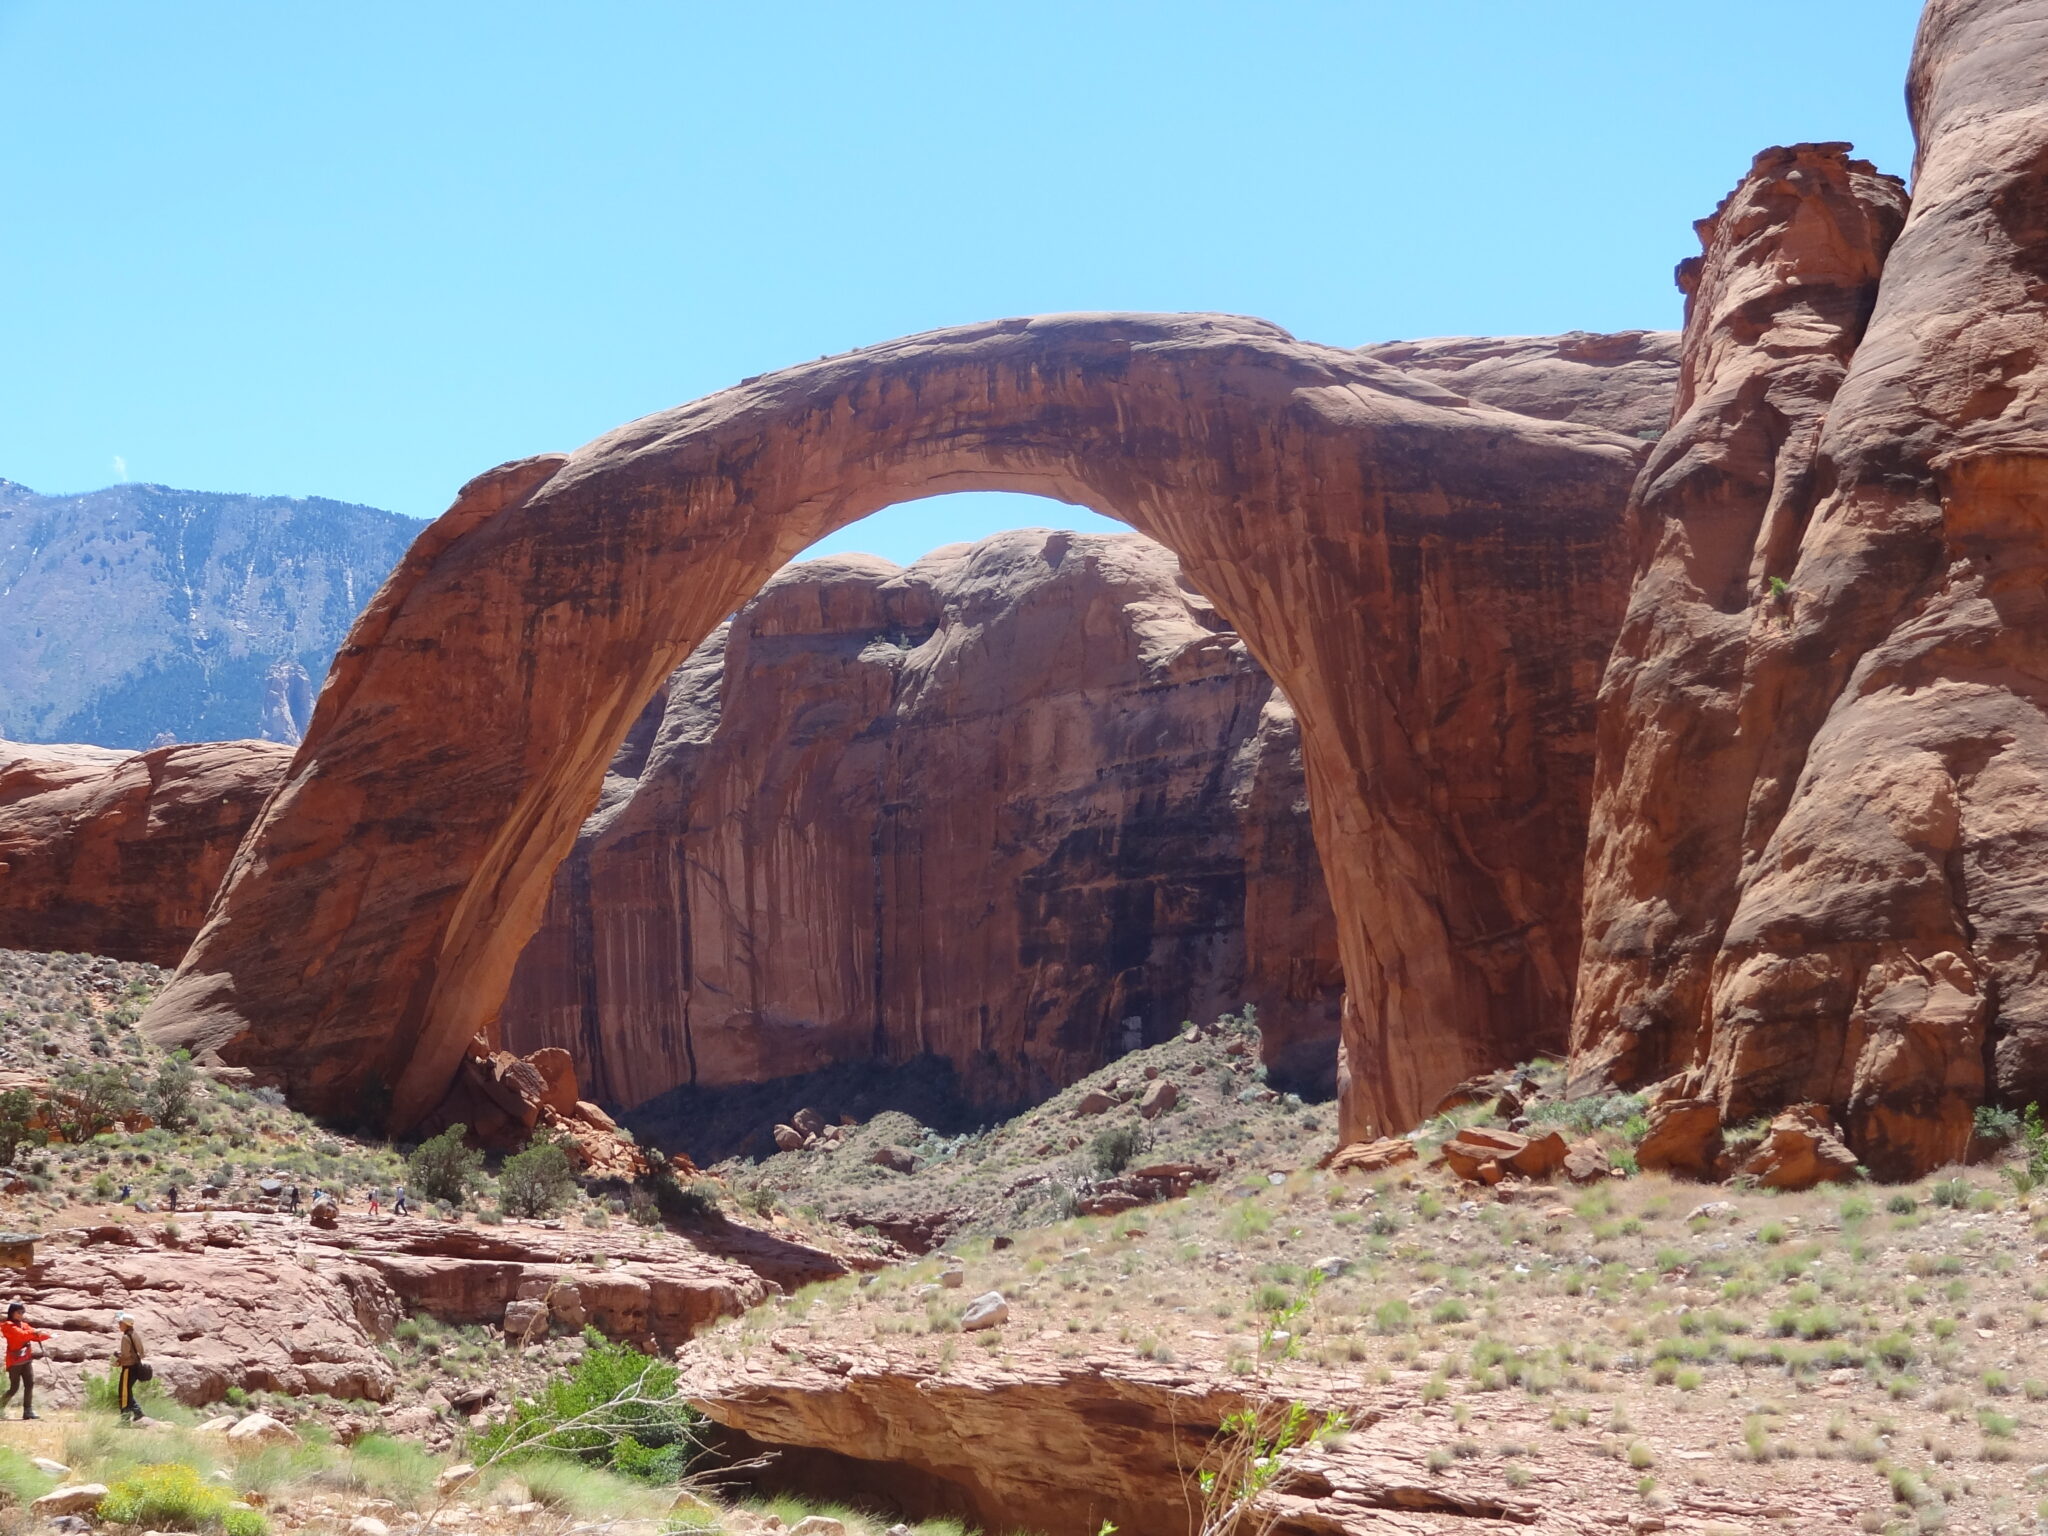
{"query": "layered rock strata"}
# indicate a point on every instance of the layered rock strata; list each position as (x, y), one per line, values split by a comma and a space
(1432, 583)
(1814, 865)
(116, 853)
(1023, 806)
(259, 1301)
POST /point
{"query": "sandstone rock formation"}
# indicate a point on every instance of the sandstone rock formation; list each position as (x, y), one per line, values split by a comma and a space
(1433, 584)
(997, 808)
(1110, 1437)
(1814, 865)
(254, 1300)
(1622, 381)
(116, 853)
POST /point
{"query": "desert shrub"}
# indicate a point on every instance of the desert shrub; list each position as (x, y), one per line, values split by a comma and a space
(1995, 1124)
(584, 1492)
(1600, 1112)
(17, 1110)
(535, 1182)
(443, 1168)
(1113, 1149)
(385, 1468)
(169, 1096)
(170, 1496)
(617, 1411)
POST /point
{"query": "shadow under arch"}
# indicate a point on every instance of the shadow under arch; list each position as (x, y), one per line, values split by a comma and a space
(1435, 586)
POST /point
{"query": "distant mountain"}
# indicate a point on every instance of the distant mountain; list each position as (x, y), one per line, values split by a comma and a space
(139, 614)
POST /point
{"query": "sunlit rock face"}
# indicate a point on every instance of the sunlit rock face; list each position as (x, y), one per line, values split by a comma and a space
(1816, 858)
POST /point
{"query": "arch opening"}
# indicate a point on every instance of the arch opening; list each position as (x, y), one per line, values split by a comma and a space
(941, 836)
(1432, 583)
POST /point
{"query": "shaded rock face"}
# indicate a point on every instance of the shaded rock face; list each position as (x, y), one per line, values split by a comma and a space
(1815, 870)
(115, 853)
(1434, 584)
(1024, 805)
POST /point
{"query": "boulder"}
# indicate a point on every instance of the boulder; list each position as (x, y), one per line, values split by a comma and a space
(325, 1213)
(72, 1499)
(1479, 1162)
(788, 1138)
(895, 1159)
(817, 1525)
(367, 1525)
(987, 1310)
(1587, 1164)
(952, 1279)
(808, 1122)
(260, 1429)
(1540, 1156)
(526, 1321)
(1159, 1097)
(1371, 1156)
(1094, 1102)
(453, 1478)
(1800, 1150)
(557, 1071)
(1684, 1138)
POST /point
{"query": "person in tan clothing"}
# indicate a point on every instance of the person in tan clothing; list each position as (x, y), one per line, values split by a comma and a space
(129, 1368)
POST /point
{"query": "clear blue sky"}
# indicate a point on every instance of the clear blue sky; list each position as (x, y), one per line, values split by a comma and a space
(367, 250)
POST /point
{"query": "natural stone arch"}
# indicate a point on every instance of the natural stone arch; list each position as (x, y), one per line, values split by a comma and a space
(1433, 584)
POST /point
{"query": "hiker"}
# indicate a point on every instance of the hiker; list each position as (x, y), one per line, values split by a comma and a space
(293, 1196)
(174, 1198)
(373, 1202)
(130, 1367)
(22, 1349)
(398, 1205)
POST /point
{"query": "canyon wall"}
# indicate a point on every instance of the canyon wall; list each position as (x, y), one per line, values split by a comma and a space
(1021, 806)
(1816, 866)
(118, 853)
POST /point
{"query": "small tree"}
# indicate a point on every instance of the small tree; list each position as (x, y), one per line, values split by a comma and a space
(443, 1167)
(93, 1100)
(17, 1116)
(1113, 1149)
(617, 1409)
(535, 1182)
(169, 1096)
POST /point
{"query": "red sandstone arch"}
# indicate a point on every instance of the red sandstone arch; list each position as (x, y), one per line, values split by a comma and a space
(1434, 584)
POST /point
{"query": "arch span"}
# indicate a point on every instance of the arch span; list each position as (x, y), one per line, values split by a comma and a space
(1434, 584)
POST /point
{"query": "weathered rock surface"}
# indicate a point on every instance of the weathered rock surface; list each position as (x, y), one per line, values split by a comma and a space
(117, 853)
(1113, 1438)
(1624, 381)
(1433, 584)
(995, 808)
(258, 1301)
(1815, 869)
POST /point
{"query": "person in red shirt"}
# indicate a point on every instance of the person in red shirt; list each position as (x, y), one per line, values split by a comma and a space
(21, 1369)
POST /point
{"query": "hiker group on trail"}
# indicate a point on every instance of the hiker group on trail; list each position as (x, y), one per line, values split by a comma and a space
(25, 1347)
